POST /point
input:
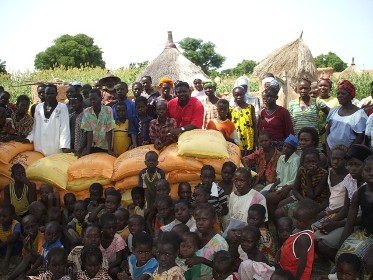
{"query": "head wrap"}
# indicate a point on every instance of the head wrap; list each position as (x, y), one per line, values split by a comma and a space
(209, 83)
(326, 79)
(76, 83)
(292, 141)
(347, 86)
(242, 81)
(166, 80)
(266, 80)
(361, 152)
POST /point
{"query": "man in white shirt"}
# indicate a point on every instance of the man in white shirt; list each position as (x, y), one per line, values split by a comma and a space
(51, 131)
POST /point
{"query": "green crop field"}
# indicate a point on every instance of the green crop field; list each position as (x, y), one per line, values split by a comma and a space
(18, 82)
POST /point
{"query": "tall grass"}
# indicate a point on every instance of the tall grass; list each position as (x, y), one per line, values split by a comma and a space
(17, 82)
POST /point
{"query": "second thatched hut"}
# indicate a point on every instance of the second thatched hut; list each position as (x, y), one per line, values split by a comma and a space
(289, 63)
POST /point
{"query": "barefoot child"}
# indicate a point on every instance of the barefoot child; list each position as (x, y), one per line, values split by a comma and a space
(21, 193)
(297, 253)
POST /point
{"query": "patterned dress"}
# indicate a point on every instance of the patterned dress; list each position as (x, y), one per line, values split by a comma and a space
(243, 120)
(174, 273)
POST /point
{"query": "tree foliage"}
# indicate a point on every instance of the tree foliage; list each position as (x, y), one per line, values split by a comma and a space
(244, 67)
(3, 67)
(330, 60)
(202, 54)
(70, 51)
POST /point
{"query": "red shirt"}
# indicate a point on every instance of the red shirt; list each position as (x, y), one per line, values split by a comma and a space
(191, 113)
(290, 262)
(278, 124)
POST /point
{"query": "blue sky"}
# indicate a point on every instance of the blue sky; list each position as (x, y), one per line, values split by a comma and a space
(136, 31)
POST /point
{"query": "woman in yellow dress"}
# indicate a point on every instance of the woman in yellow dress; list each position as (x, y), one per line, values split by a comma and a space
(243, 116)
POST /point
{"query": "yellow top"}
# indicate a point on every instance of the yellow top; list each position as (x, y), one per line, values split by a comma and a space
(21, 204)
(121, 140)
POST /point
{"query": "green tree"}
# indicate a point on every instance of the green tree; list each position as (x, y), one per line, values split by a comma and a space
(3, 67)
(244, 67)
(330, 60)
(70, 51)
(202, 54)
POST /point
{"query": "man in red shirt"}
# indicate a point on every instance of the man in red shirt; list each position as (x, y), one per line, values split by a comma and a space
(186, 110)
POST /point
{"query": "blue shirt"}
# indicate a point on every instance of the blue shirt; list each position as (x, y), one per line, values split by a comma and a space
(131, 110)
(147, 268)
(47, 248)
(141, 130)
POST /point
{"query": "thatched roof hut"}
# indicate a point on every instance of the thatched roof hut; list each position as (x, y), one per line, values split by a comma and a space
(351, 70)
(171, 63)
(294, 61)
(288, 64)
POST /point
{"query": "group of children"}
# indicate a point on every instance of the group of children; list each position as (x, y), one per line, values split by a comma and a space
(215, 230)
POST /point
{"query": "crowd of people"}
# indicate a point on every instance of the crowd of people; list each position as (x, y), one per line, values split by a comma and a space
(310, 197)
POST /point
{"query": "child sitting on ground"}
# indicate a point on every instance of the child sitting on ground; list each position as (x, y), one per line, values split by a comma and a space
(32, 245)
(112, 244)
(189, 245)
(168, 245)
(256, 218)
(227, 173)
(142, 263)
(39, 211)
(183, 215)
(95, 198)
(348, 267)
(284, 229)
(77, 224)
(69, 200)
(20, 193)
(10, 230)
(165, 209)
(49, 197)
(149, 176)
(297, 253)
(122, 215)
(311, 182)
(112, 202)
(249, 245)
(138, 198)
(91, 237)
(56, 269)
(160, 127)
(138, 127)
(136, 224)
(223, 266)
(184, 191)
(51, 240)
(92, 264)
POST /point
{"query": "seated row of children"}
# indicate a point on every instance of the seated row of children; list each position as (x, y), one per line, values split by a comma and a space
(212, 222)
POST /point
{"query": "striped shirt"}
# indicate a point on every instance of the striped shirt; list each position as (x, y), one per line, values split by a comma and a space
(308, 117)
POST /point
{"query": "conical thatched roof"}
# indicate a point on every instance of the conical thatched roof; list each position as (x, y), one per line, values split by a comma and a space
(293, 60)
(351, 70)
(171, 63)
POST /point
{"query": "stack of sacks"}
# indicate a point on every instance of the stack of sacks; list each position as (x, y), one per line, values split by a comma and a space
(203, 147)
(52, 169)
(15, 152)
(92, 168)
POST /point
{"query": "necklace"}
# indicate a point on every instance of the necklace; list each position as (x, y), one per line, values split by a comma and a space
(148, 177)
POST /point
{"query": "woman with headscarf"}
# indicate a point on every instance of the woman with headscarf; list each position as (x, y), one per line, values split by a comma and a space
(167, 89)
(275, 119)
(249, 98)
(345, 123)
(209, 102)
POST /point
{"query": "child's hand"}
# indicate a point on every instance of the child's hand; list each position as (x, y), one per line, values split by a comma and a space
(26, 242)
(194, 260)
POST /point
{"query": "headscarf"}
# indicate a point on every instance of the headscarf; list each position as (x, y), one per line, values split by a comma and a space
(326, 79)
(267, 80)
(273, 86)
(242, 81)
(292, 141)
(209, 83)
(347, 86)
(166, 80)
(359, 151)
